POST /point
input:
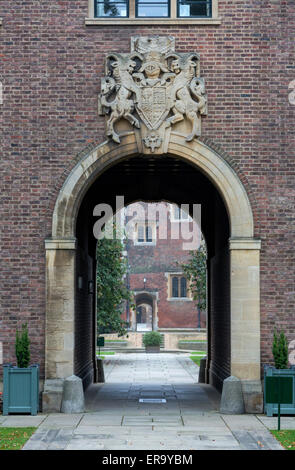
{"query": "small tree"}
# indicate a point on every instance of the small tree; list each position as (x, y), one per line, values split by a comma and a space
(112, 291)
(196, 273)
(280, 350)
(22, 347)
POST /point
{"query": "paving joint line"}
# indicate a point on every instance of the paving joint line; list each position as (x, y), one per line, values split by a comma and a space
(228, 427)
(258, 417)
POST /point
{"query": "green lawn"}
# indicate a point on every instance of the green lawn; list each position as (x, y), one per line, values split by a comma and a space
(107, 353)
(14, 438)
(286, 438)
(196, 359)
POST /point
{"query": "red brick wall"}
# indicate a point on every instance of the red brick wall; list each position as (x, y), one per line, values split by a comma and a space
(51, 65)
(154, 262)
(171, 313)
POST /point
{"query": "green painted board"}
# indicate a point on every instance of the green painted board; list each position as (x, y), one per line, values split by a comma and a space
(100, 341)
(279, 390)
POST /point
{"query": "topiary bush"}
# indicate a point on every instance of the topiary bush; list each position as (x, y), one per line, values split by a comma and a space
(280, 350)
(152, 338)
(22, 347)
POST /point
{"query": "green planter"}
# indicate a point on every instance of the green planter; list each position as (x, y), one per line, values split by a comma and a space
(20, 389)
(286, 409)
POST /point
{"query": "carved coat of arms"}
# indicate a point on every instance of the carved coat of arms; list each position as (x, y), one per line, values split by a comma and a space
(153, 87)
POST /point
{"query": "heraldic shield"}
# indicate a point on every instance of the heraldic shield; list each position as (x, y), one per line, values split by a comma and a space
(152, 106)
(153, 88)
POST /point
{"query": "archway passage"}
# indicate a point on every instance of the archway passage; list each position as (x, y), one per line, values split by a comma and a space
(147, 179)
(188, 174)
(144, 320)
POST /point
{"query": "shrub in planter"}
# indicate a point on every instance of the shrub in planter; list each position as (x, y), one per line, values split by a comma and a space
(280, 356)
(152, 341)
(22, 347)
(280, 350)
(21, 383)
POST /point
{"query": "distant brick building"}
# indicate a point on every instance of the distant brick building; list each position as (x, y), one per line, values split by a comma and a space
(162, 296)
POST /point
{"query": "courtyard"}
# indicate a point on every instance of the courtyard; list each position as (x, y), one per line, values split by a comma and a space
(186, 418)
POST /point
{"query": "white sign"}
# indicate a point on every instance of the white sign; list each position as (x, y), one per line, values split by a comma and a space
(152, 400)
(142, 327)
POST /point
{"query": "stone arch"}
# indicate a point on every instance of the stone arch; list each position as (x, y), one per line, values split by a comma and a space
(197, 153)
(244, 252)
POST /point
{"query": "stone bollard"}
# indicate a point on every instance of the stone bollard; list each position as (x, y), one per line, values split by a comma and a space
(202, 370)
(73, 395)
(232, 401)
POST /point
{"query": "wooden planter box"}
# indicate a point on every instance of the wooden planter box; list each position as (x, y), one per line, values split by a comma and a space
(271, 409)
(152, 349)
(20, 389)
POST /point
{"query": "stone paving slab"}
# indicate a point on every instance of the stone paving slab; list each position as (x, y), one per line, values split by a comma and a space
(144, 435)
(15, 421)
(100, 420)
(262, 440)
(56, 421)
(243, 422)
(80, 443)
(271, 422)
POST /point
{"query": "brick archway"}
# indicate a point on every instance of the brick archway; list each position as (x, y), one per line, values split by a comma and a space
(243, 247)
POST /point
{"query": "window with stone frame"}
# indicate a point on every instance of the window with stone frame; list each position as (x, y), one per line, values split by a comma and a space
(178, 288)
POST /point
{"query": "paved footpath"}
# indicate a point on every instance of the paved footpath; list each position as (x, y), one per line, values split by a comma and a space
(186, 419)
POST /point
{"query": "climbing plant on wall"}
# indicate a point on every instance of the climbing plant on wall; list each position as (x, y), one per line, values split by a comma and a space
(195, 270)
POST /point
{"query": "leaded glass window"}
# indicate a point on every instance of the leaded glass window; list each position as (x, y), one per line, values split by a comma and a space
(183, 287)
(175, 291)
(149, 233)
(140, 234)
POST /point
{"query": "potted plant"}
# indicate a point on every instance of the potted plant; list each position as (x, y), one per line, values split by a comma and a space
(152, 341)
(280, 356)
(21, 382)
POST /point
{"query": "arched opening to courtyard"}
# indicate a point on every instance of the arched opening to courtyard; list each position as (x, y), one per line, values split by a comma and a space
(187, 174)
(144, 312)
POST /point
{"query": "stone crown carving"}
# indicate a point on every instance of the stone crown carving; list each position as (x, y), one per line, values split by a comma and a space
(153, 87)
